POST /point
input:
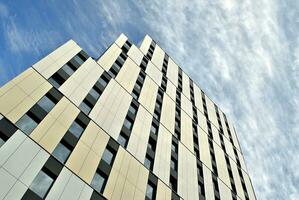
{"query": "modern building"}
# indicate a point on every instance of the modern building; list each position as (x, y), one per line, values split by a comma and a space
(128, 125)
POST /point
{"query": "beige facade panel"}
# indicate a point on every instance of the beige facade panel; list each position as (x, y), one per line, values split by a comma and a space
(163, 155)
(140, 134)
(148, 94)
(204, 149)
(79, 84)
(145, 44)
(172, 72)
(120, 41)
(186, 105)
(128, 178)
(135, 54)
(16, 192)
(223, 124)
(242, 162)
(186, 85)
(229, 149)
(153, 72)
(12, 99)
(187, 174)
(168, 113)
(249, 187)
(202, 122)
(198, 98)
(34, 87)
(110, 110)
(128, 74)
(69, 186)
(49, 132)
(54, 61)
(5, 88)
(237, 179)
(224, 191)
(186, 130)
(221, 165)
(208, 183)
(212, 112)
(20, 160)
(109, 57)
(216, 133)
(88, 152)
(10, 146)
(10, 187)
(158, 57)
(163, 192)
(171, 90)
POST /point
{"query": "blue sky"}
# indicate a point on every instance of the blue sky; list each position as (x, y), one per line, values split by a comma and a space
(244, 54)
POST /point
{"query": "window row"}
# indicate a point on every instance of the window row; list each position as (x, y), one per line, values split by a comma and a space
(7, 129)
(95, 92)
(38, 112)
(125, 132)
(71, 138)
(58, 78)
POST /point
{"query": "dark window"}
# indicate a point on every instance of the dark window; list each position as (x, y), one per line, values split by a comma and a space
(46, 103)
(61, 152)
(128, 124)
(26, 124)
(99, 181)
(133, 109)
(156, 115)
(150, 191)
(94, 93)
(103, 81)
(76, 129)
(108, 156)
(174, 147)
(148, 162)
(122, 140)
(173, 164)
(41, 184)
(151, 144)
(68, 69)
(173, 183)
(85, 106)
(44, 179)
(154, 130)
(56, 80)
(78, 59)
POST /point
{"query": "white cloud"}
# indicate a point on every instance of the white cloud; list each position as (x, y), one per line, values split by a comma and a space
(20, 39)
(239, 53)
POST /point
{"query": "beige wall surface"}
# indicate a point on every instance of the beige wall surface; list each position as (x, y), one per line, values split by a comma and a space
(128, 177)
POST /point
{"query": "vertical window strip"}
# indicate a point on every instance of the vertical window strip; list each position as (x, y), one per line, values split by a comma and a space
(232, 182)
(151, 49)
(94, 94)
(30, 120)
(104, 168)
(59, 77)
(128, 124)
(151, 188)
(237, 158)
(7, 129)
(138, 85)
(152, 142)
(117, 65)
(173, 179)
(69, 141)
(44, 180)
(126, 46)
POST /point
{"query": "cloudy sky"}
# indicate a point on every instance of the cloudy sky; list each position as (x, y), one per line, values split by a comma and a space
(244, 54)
